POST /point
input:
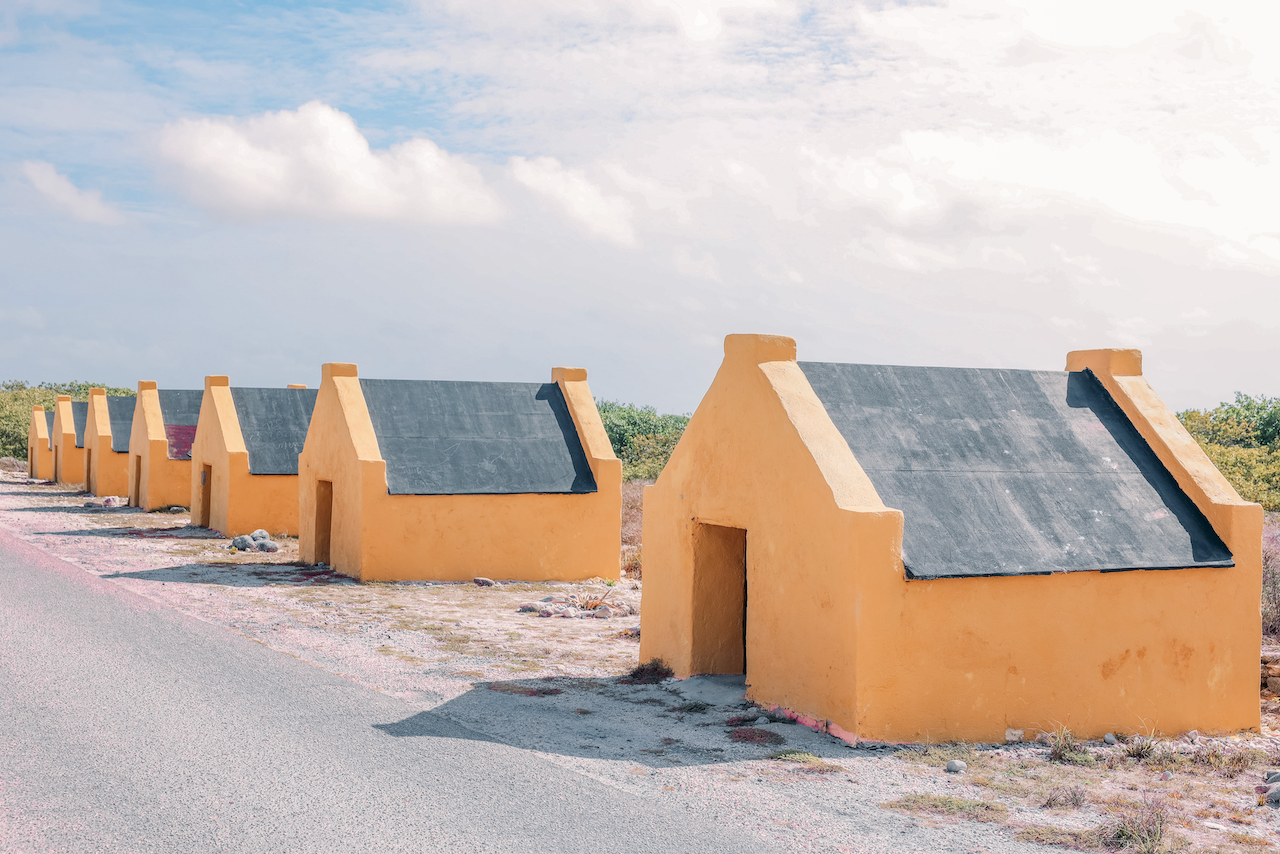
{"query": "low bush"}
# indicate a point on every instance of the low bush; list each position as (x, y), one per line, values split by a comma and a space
(651, 672)
(17, 398)
(641, 438)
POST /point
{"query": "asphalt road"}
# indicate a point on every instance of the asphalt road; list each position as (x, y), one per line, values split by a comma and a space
(126, 726)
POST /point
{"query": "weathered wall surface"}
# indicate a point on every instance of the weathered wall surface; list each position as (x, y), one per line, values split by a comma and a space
(377, 536)
(239, 502)
(838, 635)
(106, 472)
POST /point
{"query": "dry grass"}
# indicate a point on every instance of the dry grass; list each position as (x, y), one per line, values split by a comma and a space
(805, 761)
(949, 806)
(1066, 748)
(632, 516)
(651, 672)
(1065, 797)
(1140, 828)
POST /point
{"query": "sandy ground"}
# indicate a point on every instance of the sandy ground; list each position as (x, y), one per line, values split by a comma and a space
(551, 685)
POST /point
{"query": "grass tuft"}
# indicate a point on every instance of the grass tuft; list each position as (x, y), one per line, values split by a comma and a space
(807, 760)
(1140, 828)
(948, 805)
(1066, 748)
(1060, 797)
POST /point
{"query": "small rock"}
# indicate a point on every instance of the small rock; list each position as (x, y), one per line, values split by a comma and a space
(321, 564)
(956, 766)
(1166, 775)
(763, 719)
(113, 501)
(569, 612)
(1192, 737)
(546, 612)
(243, 543)
(267, 545)
(1272, 777)
(92, 504)
(260, 534)
(1110, 738)
(530, 608)
(604, 612)
(481, 581)
(1013, 736)
(1273, 797)
(175, 509)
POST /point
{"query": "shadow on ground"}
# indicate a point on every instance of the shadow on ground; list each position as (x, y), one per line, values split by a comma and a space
(698, 721)
(229, 574)
(181, 532)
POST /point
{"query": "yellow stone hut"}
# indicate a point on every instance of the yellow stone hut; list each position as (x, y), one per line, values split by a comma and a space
(911, 554)
(108, 427)
(417, 479)
(68, 439)
(244, 461)
(164, 426)
(40, 444)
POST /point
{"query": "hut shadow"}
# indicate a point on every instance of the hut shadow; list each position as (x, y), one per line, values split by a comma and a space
(642, 725)
(294, 574)
(180, 532)
(83, 511)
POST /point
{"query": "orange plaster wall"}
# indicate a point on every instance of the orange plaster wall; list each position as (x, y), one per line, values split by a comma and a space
(39, 452)
(106, 472)
(377, 536)
(842, 637)
(154, 479)
(68, 460)
(240, 502)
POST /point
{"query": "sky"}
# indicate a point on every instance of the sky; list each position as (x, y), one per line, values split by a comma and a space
(485, 189)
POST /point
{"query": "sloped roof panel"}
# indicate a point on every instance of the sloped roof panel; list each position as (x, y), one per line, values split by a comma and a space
(457, 438)
(1004, 472)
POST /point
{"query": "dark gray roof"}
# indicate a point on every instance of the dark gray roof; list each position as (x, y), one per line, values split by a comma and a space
(1002, 472)
(456, 438)
(79, 417)
(48, 420)
(274, 424)
(120, 411)
(181, 406)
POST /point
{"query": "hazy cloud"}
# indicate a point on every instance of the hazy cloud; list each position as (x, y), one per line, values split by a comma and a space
(57, 189)
(608, 217)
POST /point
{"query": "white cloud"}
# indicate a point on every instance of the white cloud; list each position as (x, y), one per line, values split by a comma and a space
(84, 205)
(314, 162)
(608, 217)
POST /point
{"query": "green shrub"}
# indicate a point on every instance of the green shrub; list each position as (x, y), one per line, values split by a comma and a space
(1242, 438)
(16, 400)
(641, 438)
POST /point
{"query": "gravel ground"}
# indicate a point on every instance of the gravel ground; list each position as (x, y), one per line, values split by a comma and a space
(550, 685)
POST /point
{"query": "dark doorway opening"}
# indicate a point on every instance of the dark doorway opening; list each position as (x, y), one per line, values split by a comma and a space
(89, 485)
(324, 520)
(719, 599)
(135, 495)
(206, 496)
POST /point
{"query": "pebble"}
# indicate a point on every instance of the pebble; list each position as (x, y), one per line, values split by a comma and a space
(530, 608)
(267, 545)
(260, 534)
(956, 766)
(1273, 777)
(481, 581)
(243, 543)
(1110, 738)
(1166, 775)
(1273, 796)
(603, 613)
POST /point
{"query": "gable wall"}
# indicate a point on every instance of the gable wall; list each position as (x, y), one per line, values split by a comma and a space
(68, 460)
(106, 472)
(163, 482)
(39, 454)
(812, 523)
